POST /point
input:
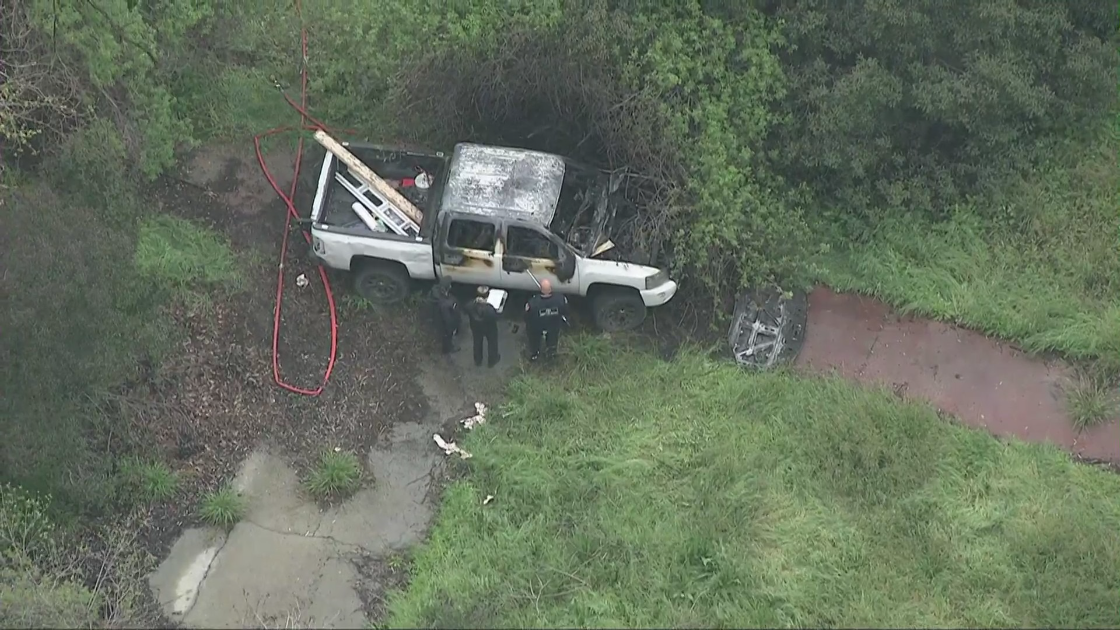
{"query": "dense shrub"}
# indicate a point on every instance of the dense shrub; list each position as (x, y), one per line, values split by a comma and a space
(915, 104)
(728, 110)
(679, 98)
(34, 591)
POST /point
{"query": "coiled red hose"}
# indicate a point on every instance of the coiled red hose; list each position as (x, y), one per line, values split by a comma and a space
(292, 213)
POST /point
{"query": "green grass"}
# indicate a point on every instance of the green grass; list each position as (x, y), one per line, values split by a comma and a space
(147, 482)
(78, 322)
(336, 474)
(228, 102)
(640, 493)
(1050, 281)
(182, 254)
(1092, 401)
(223, 507)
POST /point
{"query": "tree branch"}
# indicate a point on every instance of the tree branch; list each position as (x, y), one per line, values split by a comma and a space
(119, 32)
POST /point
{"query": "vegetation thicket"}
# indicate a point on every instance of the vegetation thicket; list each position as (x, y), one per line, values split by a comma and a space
(955, 159)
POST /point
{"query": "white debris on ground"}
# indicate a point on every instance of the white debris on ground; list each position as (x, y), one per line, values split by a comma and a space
(478, 418)
(450, 447)
(488, 499)
(301, 281)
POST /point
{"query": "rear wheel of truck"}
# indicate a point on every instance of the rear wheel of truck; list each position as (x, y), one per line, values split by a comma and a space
(382, 282)
(616, 310)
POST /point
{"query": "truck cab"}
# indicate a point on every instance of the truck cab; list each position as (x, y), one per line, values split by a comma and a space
(501, 217)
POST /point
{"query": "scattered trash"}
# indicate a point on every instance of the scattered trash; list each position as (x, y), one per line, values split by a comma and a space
(338, 449)
(301, 281)
(488, 499)
(478, 418)
(450, 447)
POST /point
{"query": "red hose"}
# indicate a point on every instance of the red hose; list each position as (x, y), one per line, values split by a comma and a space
(294, 214)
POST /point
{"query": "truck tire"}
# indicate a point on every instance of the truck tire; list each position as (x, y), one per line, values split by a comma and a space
(382, 282)
(618, 309)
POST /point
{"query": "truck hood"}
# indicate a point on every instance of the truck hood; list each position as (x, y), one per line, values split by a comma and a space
(617, 272)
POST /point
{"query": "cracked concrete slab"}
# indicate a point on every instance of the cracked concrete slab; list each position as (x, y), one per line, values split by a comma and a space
(291, 564)
(288, 563)
(258, 574)
(393, 513)
(176, 582)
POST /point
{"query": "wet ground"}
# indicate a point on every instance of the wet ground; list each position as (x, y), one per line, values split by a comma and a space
(294, 563)
(983, 383)
(215, 412)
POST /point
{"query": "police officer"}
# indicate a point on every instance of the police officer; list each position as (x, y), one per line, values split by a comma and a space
(484, 328)
(447, 315)
(544, 313)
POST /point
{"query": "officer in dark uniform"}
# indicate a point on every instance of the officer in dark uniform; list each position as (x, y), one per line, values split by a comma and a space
(447, 315)
(484, 328)
(544, 313)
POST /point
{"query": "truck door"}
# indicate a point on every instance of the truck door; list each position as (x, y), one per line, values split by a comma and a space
(468, 250)
(532, 252)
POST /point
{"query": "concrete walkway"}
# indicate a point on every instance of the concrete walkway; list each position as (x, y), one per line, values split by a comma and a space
(290, 564)
(984, 383)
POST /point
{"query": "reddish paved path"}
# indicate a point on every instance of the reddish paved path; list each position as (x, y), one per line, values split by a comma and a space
(982, 382)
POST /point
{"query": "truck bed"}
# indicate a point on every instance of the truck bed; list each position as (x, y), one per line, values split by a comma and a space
(399, 167)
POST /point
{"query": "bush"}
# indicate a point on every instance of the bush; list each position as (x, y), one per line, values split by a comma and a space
(336, 474)
(64, 371)
(223, 507)
(681, 99)
(30, 595)
(118, 52)
(910, 105)
(26, 529)
(40, 104)
(1044, 272)
(29, 598)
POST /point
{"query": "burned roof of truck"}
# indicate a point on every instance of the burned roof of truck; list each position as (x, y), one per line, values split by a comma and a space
(501, 181)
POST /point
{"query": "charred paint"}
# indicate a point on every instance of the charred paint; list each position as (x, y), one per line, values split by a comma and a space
(475, 259)
(547, 266)
(542, 266)
(503, 181)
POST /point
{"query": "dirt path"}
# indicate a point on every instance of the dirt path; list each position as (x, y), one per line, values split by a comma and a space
(984, 383)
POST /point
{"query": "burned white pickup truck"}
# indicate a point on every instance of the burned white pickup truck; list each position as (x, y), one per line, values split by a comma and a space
(501, 217)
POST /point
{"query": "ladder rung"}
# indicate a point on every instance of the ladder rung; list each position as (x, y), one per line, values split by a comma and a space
(392, 216)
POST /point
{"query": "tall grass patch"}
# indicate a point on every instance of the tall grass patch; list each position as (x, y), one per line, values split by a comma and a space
(1048, 279)
(337, 474)
(223, 507)
(146, 481)
(640, 493)
(184, 255)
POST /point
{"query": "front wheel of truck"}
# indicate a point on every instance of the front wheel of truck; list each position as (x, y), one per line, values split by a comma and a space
(382, 282)
(618, 309)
